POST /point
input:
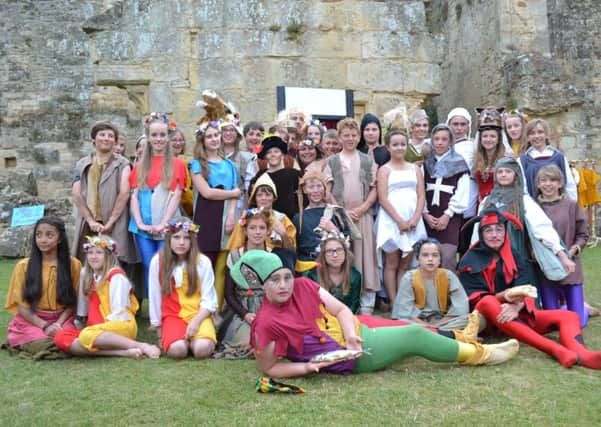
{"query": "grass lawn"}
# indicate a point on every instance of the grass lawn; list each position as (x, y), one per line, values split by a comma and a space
(532, 389)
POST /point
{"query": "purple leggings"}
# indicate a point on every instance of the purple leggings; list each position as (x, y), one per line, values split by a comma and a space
(573, 297)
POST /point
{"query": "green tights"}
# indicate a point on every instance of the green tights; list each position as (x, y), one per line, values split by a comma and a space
(390, 344)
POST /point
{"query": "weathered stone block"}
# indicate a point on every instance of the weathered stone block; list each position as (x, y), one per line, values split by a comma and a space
(332, 44)
(160, 98)
(22, 181)
(377, 76)
(423, 78)
(122, 74)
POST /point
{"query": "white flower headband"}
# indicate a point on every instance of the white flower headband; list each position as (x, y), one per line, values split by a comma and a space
(337, 235)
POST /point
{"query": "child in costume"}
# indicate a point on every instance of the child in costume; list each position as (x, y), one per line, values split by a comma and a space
(491, 273)
(335, 272)
(430, 295)
(299, 320)
(514, 124)
(419, 144)
(106, 298)
(43, 289)
(508, 196)
(157, 182)
(317, 217)
(242, 303)
(399, 222)
(263, 195)
(273, 150)
(571, 224)
(540, 154)
(216, 181)
(447, 179)
(371, 139)
(309, 155)
(178, 146)
(231, 135)
(489, 149)
(182, 298)
(351, 176)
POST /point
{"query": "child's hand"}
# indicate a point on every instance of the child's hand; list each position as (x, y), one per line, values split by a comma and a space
(192, 329)
(443, 221)
(508, 313)
(53, 329)
(326, 224)
(229, 223)
(279, 228)
(355, 214)
(250, 318)
(569, 265)
(431, 221)
(403, 226)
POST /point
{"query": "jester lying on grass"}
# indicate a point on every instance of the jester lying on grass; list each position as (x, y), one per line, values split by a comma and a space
(300, 321)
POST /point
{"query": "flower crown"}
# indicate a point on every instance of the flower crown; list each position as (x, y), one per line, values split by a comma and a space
(203, 127)
(101, 242)
(249, 213)
(175, 226)
(309, 142)
(156, 116)
(314, 122)
(517, 112)
(229, 119)
(338, 236)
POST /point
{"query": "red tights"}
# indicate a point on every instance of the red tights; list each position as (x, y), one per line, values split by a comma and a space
(530, 328)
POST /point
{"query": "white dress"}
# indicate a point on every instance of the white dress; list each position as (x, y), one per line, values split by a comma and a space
(402, 194)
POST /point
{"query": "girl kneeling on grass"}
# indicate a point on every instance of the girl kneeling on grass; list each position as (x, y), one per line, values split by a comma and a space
(106, 298)
(181, 294)
(42, 291)
(299, 320)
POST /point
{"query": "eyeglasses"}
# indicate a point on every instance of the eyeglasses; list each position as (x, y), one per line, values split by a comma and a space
(337, 251)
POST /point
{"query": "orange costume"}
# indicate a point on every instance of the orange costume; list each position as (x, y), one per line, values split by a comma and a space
(174, 311)
(110, 307)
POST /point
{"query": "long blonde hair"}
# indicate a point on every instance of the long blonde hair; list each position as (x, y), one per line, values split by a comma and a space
(168, 260)
(110, 262)
(322, 273)
(146, 162)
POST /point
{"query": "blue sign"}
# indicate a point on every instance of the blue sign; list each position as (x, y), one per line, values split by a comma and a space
(26, 215)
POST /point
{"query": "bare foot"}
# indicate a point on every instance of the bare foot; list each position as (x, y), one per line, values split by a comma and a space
(134, 353)
(152, 351)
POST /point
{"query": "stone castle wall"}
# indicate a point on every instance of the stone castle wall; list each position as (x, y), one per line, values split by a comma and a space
(541, 56)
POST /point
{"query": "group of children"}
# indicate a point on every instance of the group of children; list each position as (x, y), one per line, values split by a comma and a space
(351, 208)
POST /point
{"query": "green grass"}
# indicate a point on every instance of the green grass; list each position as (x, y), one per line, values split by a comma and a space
(532, 389)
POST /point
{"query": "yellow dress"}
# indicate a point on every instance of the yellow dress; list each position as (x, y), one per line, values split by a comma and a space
(47, 300)
(110, 307)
